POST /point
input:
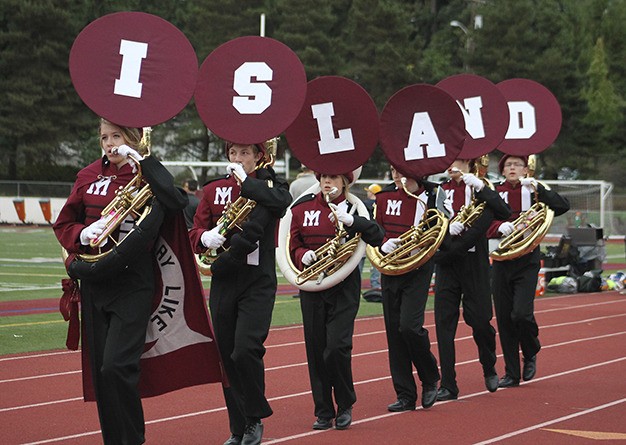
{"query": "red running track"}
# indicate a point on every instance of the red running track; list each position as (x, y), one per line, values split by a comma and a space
(579, 390)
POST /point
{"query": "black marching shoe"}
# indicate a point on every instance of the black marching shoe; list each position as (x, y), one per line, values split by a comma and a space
(491, 380)
(530, 368)
(234, 439)
(343, 419)
(445, 394)
(507, 382)
(401, 405)
(253, 433)
(323, 423)
(429, 395)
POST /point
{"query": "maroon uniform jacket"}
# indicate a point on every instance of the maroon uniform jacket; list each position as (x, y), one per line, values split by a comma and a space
(521, 198)
(311, 226)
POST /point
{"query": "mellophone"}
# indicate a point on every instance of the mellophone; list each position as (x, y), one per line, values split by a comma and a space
(251, 89)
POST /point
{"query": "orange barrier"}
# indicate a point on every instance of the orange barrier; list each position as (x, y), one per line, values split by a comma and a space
(46, 209)
(20, 209)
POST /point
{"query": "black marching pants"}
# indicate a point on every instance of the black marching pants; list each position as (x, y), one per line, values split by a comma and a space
(514, 284)
(463, 283)
(404, 302)
(116, 320)
(241, 321)
(328, 318)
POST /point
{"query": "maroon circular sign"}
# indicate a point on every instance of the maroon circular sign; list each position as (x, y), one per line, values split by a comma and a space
(484, 109)
(337, 128)
(133, 68)
(250, 89)
(421, 130)
(535, 117)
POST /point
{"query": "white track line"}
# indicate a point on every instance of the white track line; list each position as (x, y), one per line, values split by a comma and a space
(550, 422)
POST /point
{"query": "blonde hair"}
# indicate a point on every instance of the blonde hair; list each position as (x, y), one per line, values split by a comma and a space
(132, 136)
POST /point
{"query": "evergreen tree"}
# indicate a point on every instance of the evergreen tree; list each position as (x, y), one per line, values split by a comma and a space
(41, 117)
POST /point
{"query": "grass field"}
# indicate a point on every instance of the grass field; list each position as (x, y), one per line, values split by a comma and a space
(31, 268)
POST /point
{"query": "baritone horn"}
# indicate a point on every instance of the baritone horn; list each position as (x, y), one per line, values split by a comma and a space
(417, 245)
(336, 258)
(531, 227)
(468, 214)
(332, 255)
(132, 200)
(236, 213)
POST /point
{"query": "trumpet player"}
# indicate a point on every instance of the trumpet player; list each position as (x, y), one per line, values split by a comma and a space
(328, 315)
(515, 280)
(462, 276)
(116, 304)
(405, 295)
(243, 284)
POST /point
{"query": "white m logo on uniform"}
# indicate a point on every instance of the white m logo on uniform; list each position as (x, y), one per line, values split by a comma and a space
(222, 195)
(393, 207)
(311, 218)
(505, 196)
(100, 187)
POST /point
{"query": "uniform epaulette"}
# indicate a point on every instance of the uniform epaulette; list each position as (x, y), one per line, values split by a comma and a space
(389, 188)
(217, 178)
(304, 198)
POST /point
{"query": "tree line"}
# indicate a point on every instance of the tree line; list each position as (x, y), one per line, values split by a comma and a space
(576, 48)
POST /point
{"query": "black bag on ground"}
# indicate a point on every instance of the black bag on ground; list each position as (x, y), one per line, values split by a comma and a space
(590, 281)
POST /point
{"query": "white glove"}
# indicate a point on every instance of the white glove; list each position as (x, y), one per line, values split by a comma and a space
(529, 182)
(128, 152)
(455, 228)
(506, 228)
(211, 239)
(92, 231)
(390, 245)
(237, 169)
(309, 257)
(342, 215)
(473, 181)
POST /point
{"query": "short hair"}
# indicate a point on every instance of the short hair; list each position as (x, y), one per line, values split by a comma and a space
(192, 184)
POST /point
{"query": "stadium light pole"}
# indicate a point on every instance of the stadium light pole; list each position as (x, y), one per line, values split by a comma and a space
(468, 44)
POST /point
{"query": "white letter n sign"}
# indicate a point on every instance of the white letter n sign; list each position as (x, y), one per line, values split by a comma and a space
(423, 139)
(132, 55)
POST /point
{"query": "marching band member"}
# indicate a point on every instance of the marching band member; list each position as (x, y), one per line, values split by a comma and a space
(243, 285)
(328, 315)
(405, 296)
(116, 311)
(462, 277)
(515, 280)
